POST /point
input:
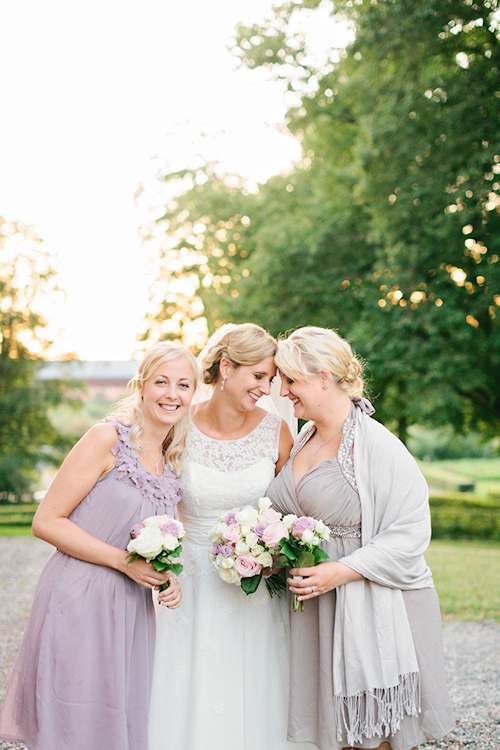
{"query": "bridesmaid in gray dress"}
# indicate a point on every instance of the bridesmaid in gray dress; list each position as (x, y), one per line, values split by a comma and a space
(367, 667)
(82, 677)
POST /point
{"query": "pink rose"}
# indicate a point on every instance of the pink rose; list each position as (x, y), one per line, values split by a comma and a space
(247, 566)
(136, 530)
(301, 524)
(269, 516)
(273, 533)
(231, 533)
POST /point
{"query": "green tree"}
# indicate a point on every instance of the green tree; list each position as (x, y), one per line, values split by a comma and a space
(26, 434)
(387, 228)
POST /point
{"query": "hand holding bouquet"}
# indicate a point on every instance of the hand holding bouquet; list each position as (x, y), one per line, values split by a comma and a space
(158, 540)
(300, 547)
(244, 545)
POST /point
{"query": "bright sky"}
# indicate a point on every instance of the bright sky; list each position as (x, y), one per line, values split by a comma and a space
(89, 93)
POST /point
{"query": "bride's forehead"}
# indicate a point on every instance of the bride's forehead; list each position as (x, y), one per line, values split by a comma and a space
(267, 366)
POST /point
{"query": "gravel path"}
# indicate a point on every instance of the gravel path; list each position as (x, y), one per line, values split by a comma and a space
(472, 651)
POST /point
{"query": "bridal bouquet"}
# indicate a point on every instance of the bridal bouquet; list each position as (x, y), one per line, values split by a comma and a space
(300, 548)
(158, 540)
(244, 543)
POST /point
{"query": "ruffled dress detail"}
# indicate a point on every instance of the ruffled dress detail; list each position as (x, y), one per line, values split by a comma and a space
(159, 490)
(82, 677)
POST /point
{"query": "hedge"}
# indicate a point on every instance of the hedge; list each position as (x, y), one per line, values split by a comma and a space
(17, 514)
(458, 516)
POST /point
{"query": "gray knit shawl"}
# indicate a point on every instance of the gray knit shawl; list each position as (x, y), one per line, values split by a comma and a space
(376, 675)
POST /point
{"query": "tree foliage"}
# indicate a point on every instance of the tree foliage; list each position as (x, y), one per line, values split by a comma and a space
(388, 227)
(26, 276)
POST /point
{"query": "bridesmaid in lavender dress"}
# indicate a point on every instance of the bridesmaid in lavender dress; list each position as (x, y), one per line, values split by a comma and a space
(82, 677)
(367, 668)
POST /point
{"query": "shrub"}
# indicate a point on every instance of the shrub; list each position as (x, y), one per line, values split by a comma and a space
(457, 516)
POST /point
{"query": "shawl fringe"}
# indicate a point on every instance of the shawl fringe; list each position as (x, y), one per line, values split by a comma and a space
(377, 712)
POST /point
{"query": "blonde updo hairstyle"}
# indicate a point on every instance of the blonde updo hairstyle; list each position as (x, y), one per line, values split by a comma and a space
(245, 344)
(311, 350)
(174, 445)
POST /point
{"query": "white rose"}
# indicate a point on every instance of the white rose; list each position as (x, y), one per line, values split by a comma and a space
(226, 562)
(322, 530)
(245, 529)
(230, 576)
(216, 532)
(247, 516)
(151, 521)
(264, 503)
(148, 544)
(170, 542)
(252, 539)
(307, 536)
(241, 547)
(182, 531)
(265, 559)
(257, 550)
(288, 520)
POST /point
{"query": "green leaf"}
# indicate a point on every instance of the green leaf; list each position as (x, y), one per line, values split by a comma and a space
(280, 562)
(250, 585)
(159, 565)
(319, 555)
(288, 550)
(176, 568)
(305, 560)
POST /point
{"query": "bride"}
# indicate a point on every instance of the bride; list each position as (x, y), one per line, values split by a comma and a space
(221, 673)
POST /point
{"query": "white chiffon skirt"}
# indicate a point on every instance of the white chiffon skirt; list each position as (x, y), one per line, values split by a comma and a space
(220, 679)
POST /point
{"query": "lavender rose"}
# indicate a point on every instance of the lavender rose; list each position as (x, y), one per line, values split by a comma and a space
(301, 524)
(259, 529)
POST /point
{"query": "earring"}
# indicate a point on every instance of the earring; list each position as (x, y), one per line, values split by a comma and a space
(224, 378)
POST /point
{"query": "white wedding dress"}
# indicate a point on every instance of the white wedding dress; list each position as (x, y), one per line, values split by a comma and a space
(220, 679)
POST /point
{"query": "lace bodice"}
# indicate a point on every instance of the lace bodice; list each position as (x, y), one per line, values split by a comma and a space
(223, 474)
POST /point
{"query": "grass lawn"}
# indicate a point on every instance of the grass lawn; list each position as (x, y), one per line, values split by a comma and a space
(477, 468)
(467, 578)
(15, 530)
(484, 471)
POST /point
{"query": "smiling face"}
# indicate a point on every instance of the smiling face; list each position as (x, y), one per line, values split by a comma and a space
(306, 395)
(247, 383)
(167, 394)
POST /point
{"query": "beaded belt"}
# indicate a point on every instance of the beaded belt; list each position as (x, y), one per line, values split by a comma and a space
(345, 532)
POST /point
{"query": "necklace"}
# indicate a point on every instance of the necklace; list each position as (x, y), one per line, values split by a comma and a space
(328, 441)
(155, 462)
